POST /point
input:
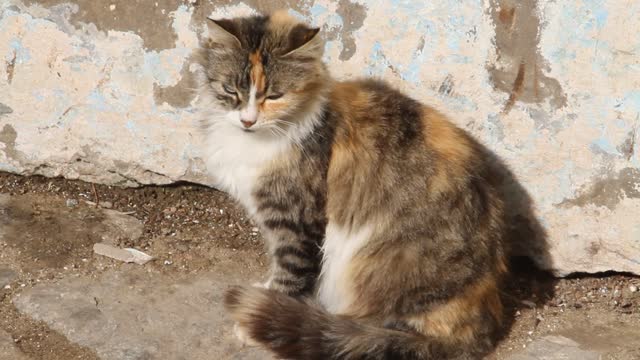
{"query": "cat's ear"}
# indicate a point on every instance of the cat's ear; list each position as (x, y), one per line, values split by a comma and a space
(224, 32)
(304, 41)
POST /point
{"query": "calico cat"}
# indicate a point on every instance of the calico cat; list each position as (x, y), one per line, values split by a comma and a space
(382, 218)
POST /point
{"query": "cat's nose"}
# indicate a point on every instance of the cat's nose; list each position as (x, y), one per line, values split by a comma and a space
(247, 124)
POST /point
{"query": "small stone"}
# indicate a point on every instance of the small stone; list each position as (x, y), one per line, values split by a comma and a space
(633, 288)
(106, 204)
(7, 276)
(255, 229)
(72, 203)
(127, 255)
(112, 7)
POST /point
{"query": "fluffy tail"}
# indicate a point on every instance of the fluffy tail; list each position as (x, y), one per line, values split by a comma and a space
(297, 329)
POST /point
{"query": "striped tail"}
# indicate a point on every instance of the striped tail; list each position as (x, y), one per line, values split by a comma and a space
(299, 329)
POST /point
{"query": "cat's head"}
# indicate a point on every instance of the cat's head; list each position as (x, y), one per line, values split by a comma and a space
(261, 72)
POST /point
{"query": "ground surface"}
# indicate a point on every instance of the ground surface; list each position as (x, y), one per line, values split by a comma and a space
(60, 301)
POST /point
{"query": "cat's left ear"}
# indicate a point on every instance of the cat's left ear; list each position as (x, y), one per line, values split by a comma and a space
(305, 41)
(224, 32)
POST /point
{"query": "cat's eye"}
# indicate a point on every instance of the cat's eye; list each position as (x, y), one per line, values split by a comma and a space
(229, 90)
(274, 96)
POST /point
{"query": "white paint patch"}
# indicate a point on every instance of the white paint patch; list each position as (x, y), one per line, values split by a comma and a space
(340, 245)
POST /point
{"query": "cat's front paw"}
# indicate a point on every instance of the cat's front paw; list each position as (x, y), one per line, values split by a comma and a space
(243, 336)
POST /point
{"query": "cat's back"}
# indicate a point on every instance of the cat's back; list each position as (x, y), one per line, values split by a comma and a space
(375, 120)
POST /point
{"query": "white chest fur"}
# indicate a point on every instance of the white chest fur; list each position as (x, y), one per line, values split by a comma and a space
(340, 246)
(236, 159)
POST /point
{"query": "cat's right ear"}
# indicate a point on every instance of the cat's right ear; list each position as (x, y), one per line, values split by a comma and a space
(223, 32)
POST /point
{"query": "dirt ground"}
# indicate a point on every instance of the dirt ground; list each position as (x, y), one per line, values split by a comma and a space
(180, 225)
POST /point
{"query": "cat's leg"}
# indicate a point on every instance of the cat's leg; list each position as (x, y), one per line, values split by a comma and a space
(295, 255)
(295, 260)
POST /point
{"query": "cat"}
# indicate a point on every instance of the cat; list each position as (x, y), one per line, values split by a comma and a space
(382, 219)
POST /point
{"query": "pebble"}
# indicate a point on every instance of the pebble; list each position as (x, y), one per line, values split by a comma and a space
(633, 288)
(72, 203)
(106, 204)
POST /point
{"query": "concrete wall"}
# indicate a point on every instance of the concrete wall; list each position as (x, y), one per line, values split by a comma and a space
(100, 90)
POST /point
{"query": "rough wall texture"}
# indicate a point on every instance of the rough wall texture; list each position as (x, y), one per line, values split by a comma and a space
(101, 91)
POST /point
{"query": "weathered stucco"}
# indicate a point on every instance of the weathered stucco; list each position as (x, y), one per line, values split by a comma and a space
(102, 91)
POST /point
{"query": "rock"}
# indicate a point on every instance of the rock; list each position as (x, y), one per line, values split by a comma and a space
(6, 276)
(123, 227)
(127, 255)
(72, 203)
(106, 204)
(555, 347)
(8, 349)
(133, 314)
(633, 288)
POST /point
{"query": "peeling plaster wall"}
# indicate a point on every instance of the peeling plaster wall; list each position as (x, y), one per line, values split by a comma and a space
(102, 91)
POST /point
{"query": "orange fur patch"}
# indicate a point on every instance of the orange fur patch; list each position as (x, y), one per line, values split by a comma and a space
(353, 104)
(446, 139)
(258, 78)
(456, 319)
(452, 148)
(271, 106)
(365, 281)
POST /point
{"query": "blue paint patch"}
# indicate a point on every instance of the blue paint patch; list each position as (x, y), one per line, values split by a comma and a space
(37, 95)
(377, 62)
(598, 11)
(631, 101)
(495, 129)
(152, 66)
(334, 21)
(317, 10)
(603, 144)
(22, 54)
(410, 6)
(456, 59)
(296, 14)
(97, 101)
(620, 124)
(130, 125)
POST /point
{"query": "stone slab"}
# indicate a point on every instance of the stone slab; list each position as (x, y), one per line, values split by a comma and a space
(595, 341)
(133, 315)
(555, 348)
